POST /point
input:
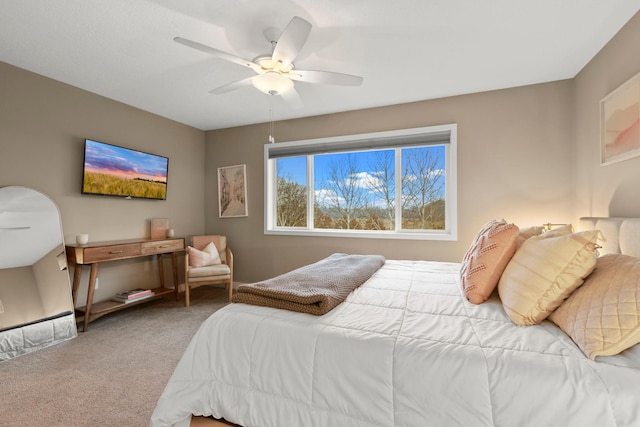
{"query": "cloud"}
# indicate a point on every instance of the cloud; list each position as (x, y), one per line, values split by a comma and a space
(366, 180)
(432, 173)
(327, 197)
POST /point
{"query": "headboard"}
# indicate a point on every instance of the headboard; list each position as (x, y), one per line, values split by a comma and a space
(622, 234)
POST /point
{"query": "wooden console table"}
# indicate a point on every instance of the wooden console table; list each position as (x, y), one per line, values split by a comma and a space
(94, 253)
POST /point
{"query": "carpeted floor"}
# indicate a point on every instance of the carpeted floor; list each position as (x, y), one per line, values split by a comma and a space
(111, 375)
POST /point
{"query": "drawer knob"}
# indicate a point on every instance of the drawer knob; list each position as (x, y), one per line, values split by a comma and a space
(116, 252)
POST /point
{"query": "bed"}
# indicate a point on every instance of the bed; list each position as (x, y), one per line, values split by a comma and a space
(406, 348)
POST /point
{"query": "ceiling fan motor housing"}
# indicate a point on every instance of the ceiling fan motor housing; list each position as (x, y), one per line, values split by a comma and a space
(272, 83)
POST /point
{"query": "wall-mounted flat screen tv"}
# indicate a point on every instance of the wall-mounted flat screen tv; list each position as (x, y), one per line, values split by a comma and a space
(110, 170)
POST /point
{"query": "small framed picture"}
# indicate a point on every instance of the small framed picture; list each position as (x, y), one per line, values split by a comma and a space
(159, 228)
(620, 123)
(232, 191)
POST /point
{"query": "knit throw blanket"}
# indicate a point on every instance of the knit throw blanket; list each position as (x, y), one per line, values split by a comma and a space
(314, 289)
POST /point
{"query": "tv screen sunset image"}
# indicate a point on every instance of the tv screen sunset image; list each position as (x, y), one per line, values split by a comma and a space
(117, 171)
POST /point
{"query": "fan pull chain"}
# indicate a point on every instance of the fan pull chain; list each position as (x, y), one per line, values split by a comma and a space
(272, 139)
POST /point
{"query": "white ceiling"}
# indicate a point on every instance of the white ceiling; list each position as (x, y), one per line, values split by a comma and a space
(407, 50)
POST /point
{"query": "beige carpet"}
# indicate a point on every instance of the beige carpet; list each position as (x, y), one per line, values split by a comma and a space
(111, 375)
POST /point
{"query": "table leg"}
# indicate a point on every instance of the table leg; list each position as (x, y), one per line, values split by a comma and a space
(77, 274)
(161, 270)
(91, 289)
(174, 264)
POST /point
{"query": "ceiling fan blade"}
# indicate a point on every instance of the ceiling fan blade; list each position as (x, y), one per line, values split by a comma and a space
(232, 86)
(291, 41)
(325, 77)
(292, 98)
(218, 53)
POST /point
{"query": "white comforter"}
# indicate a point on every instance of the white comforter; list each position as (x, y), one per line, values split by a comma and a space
(405, 349)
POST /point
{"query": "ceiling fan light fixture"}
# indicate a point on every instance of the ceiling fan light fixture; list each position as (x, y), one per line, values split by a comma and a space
(272, 83)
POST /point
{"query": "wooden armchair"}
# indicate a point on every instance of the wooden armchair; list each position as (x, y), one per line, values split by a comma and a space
(209, 274)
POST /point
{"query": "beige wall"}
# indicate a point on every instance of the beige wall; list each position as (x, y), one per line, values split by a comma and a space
(43, 124)
(514, 161)
(611, 190)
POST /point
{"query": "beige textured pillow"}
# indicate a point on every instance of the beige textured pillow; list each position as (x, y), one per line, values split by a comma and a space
(544, 272)
(603, 315)
(486, 259)
(208, 256)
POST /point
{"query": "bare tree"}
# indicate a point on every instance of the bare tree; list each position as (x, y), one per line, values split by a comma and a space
(291, 209)
(351, 197)
(423, 185)
(345, 194)
(383, 185)
(374, 222)
(321, 219)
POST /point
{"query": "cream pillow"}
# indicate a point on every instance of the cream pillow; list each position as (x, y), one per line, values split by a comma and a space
(208, 256)
(603, 315)
(485, 260)
(528, 232)
(544, 272)
(562, 230)
(537, 230)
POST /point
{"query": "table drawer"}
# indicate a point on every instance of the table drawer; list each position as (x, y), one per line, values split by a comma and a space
(162, 246)
(106, 253)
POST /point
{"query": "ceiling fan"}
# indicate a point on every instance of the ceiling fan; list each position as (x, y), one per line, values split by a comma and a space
(275, 72)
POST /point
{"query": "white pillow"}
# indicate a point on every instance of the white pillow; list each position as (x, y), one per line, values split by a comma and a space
(544, 272)
(208, 256)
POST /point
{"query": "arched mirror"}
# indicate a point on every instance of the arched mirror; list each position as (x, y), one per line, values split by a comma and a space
(36, 307)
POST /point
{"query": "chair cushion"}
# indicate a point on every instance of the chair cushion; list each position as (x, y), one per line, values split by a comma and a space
(200, 258)
(210, 272)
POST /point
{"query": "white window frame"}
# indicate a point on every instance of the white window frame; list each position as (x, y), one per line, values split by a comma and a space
(450, 233)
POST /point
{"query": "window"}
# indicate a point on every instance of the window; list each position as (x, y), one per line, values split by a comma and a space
(397, 184)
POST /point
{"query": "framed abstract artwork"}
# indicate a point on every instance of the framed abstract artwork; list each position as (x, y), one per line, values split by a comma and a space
(232, 191)
(620, 123)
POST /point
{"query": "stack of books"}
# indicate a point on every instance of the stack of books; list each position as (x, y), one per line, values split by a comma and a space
(133, 295)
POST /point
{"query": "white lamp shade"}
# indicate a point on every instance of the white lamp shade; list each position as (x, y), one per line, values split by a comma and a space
(272, 83)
